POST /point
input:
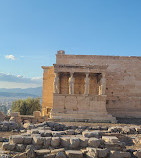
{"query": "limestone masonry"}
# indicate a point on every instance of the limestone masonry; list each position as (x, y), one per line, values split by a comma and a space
(91, 87)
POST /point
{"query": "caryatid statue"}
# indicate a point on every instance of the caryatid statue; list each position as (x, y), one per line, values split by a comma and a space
(71, 84)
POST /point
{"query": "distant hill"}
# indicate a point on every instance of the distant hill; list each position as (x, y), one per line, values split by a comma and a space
(7, 94)
(18, 92)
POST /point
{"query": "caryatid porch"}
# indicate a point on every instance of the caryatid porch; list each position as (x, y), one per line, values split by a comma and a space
(79, 94)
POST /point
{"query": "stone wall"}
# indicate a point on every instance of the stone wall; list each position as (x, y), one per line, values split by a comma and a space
(47, 96)
(35, 118)
(123, 85)
(80, 108)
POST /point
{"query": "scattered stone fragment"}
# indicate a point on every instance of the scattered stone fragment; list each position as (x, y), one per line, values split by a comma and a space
(60, 155)
(58, 150)
(74, 154)
(110, 139)
(94, 142)
(83, 142)
(120, 146)
(47, 142)
(20, 147)
(58, 133)
(90, 134)
(8, 146)
(138, 129)
(119, 154)
(47, 133)
(42, 152)
(17, 139)
(27, 140)
(38, 140)
(27, 125)
(126, 130)
(30, 151)
(74, 142)
(34, 131)
(65, 142)
(55, 142)
(137, 153)
(103, 153)
(91, 152)
(115, 129)
(50, 155)
(21, 155)
(70, 132)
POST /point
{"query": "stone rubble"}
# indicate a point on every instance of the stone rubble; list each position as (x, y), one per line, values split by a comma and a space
(54, 140)
(9, 126)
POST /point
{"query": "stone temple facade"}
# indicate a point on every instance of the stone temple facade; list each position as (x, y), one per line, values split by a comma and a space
(92, 88)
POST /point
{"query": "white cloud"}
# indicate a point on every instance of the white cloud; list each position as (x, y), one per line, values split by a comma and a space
(19, 76)
(11, 57)
(19, 81)
(9, 85)
(36, 78)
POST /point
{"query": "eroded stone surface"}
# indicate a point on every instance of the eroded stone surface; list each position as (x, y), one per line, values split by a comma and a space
(74, 154)
(111, 145)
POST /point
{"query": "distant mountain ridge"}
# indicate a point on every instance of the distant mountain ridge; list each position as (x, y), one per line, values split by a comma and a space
(33, 92)
(7, 94)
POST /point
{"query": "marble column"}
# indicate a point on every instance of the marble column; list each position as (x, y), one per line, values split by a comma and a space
(56, 81)
(71, 84)
(87, 84)
(103, 84)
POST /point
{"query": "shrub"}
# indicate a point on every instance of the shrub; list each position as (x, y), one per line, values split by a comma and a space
(26, 106)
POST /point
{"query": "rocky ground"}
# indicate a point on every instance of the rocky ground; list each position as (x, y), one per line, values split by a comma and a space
(71, 140)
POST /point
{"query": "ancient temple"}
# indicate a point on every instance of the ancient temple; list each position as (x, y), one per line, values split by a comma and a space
(78, 92)
(88, 88)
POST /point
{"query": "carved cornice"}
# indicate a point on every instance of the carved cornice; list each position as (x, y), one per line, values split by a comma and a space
(80, 68)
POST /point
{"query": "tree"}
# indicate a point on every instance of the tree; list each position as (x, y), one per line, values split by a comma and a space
(26, 106)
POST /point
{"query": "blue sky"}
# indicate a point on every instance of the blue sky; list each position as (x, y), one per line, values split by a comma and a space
(31, 31)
